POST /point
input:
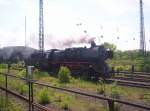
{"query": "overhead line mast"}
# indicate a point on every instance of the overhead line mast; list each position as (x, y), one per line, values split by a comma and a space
(41, 26)
(142, 29)
(25, 31)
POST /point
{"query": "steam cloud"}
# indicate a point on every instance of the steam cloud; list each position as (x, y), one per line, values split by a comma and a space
(52, 42)
(67, 42)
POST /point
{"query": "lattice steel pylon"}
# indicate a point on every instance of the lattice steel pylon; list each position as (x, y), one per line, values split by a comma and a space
(41, 26)
(142, 30)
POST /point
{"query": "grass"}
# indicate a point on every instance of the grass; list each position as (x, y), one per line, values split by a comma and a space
(64, 75)
(126, 92)
(129, 93)
(67, 101)
(10, 105)
(43, 96)
(23, 89)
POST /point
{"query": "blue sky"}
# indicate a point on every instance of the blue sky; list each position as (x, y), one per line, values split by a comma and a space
(110, 18)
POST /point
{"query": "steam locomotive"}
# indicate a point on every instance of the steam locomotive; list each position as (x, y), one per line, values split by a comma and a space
(82, 61)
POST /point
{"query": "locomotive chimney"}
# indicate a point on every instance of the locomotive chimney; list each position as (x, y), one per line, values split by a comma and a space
(93, 44)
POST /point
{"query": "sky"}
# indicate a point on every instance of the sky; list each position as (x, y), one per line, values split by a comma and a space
(108, 18)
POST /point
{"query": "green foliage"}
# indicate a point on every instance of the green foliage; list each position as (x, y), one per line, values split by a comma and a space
(22, 73)
(64, 100)
(2, 79)
(138, 67)
(11, 105)
(146, 97)
(127, 67)
(18, 65)
(64, 105)
(114, 91)
(146, 68)
(37, 74)
(109, 46)
(3, 66)
(117, 107)
(64, 75)
(92, 107)
(43, 96)
(23, 89)
(119, 68)
(126, 59)
(101, 87)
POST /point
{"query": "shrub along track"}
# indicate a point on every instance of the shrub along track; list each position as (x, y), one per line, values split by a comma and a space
(109, 100)
(89, 92)
(136, 79)
(135, 76)
(36, 105)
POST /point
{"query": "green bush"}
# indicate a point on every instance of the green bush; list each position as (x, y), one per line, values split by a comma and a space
(37, 74)
(114, 91)
(18, 65)
(146, 68)
(2, 79)
(138, 67)
(3, 66)
(115, 94)
(128, 67)
(101, 87)
(64, 75)
(58, 97)
(22, 73)
(11, 105)
(64, 105)
(117, 107)
(43, 97)
(23, 89)
(119, 68)
(64, 100)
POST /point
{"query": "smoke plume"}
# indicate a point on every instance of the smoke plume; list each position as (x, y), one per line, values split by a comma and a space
(67, 42)
(52, 41)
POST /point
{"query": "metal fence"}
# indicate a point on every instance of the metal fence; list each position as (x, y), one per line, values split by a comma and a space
(30, 99)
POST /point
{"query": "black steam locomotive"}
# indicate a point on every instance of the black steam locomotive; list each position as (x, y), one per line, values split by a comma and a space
(88, 62)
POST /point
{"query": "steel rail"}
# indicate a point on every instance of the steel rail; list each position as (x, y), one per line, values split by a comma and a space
(137, 84)
(95, 96)
(134, 79)
(26, 99)
(83, 93)
(130, 83)
(129, 72)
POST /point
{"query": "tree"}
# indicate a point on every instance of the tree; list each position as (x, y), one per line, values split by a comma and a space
(109, 46)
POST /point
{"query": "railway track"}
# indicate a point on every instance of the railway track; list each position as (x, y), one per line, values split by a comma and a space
(130, 83)
(136, 79)
(39, 107)
(110, 101)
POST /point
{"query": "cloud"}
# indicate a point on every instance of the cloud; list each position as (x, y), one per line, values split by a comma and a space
(61, 17)
(5, 2)
(116, 7)
(11, 38)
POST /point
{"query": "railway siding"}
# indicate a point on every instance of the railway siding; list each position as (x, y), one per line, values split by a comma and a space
(110, 101)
